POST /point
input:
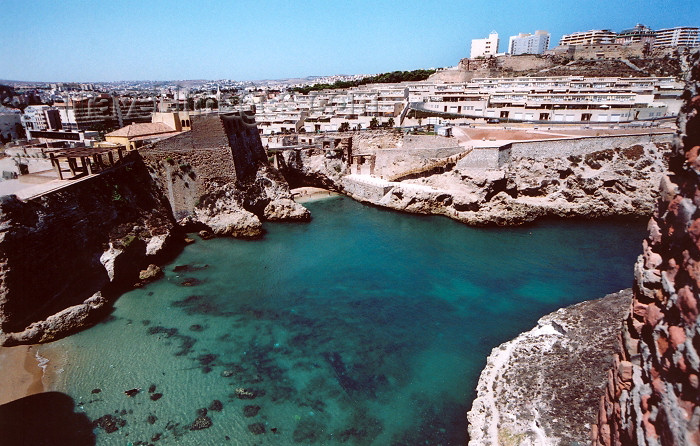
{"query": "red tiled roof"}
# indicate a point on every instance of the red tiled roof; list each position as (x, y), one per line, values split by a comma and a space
(144, 129)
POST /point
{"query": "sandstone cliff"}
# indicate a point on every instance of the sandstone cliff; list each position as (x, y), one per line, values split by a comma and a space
(65, 254)
(653, 391)
(542, 387)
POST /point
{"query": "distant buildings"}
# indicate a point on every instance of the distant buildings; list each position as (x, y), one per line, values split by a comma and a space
(41, 117)
(592, 37)
(679, 36)
(525, 43)
(484, 47)
(639, 33)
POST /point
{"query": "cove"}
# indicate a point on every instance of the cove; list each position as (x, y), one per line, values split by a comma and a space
(365, 326)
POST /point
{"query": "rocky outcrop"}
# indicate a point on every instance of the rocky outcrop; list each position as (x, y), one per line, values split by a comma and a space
(65, 255)
(612, 182)
(653, 391)
(619, 181)
(542, 387)
(217, 177)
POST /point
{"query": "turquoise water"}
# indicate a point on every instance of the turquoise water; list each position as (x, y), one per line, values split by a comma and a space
(363, 327)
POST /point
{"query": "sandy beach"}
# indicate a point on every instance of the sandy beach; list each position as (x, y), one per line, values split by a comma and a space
(305, 194)
(20, 373)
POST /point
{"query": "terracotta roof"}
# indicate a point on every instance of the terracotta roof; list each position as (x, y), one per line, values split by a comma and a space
(151, 137)
(136, 130)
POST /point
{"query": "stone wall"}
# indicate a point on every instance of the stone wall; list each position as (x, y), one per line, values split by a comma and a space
(365, 190)
(653, 391)
(486, 157)
(524, 62)
(561, 148)
(187, 164)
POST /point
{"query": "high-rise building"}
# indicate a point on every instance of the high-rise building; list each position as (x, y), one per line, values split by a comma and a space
(526, 43)
(484, 47)
(678, 36)
(592, 37)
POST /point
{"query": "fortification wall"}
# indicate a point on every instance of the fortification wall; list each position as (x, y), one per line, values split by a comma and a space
(562, 148)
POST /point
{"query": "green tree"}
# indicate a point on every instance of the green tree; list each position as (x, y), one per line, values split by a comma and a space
(344, 127)
(390, 122)
(373, 124)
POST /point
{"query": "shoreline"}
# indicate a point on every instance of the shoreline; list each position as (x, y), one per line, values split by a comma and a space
(21, 372)
(308, 193)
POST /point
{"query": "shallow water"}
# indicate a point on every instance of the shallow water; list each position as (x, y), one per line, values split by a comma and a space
(363, 327)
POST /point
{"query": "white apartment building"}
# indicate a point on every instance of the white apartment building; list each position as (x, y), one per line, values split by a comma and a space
(679, 36)
(484, 47)
(557, 99)
(525, 43)
(41, 117)
(592, 37)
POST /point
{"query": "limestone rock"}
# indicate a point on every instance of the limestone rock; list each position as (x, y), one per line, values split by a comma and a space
(543, 386)
(157, 244)
(285, 209)
(153, 272)
(60, 324)
(240, 223)
(109, 258)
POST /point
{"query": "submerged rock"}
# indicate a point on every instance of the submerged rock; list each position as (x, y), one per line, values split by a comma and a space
(248, 394)
(257, 428)
(216, 406)
(251, 411)
(131, 392)
(109, 423)
(201, 422)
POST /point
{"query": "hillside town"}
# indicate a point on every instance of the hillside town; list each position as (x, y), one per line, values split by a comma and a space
(595, 78)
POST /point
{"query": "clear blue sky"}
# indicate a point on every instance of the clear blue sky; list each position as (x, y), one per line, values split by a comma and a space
(69, 40)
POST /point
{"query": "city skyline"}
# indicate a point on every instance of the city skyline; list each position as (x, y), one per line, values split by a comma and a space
(100, 42)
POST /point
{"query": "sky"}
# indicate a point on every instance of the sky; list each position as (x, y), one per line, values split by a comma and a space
(112, 40)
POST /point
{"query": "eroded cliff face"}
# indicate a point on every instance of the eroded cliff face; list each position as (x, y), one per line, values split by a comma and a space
(612, 182)
(618, 181)
(65, 254)
(653, 391)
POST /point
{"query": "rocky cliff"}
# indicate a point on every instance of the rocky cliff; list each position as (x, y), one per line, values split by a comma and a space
(542, 387)
(65, 254)
(653, 392)
(620, 180)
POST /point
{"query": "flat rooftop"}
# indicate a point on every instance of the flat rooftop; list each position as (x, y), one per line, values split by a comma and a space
(500, 134)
